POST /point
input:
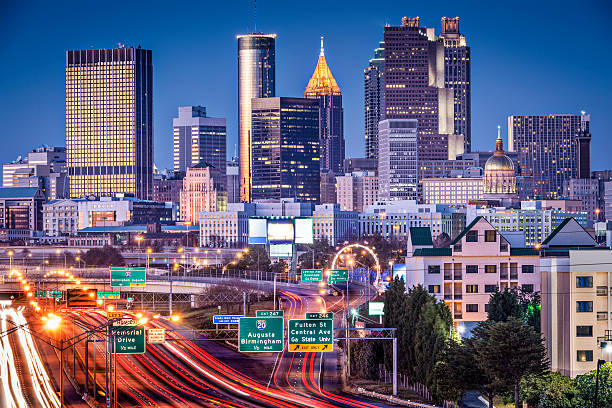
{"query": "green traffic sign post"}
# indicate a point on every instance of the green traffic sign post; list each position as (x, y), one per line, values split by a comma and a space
(312, 275)
(310, 335)
(270, 313)
(108, 295)
(120, 277)
(261, 334)
(338, 275)
(129, 338)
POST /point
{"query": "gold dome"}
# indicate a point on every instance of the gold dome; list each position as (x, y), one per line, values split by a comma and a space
(322, 81)
(499, 160)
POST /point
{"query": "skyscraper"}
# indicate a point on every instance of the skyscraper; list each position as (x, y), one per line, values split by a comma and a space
(415, 87)
(457, 67)
(255, 80)
(323, 86)
(548, 148)
(374, 103)
(397, 159)
(109, 121)
(199, 138)
(285, 149)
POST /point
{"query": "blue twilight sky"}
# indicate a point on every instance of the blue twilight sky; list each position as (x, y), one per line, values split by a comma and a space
(528, 57)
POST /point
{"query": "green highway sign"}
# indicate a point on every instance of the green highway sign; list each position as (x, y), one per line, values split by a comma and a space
(128, 276)
(129, 337)
(312, 275)
(326, 315)
(270, 313)
(310, 335)
(49, 294)
(261, 334)
(376, 308)
(337, 275)
(108, 295)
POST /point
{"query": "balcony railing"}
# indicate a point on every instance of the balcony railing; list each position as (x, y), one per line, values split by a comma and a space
(602, 315)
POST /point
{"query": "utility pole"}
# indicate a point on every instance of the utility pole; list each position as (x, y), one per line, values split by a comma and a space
(274, 290)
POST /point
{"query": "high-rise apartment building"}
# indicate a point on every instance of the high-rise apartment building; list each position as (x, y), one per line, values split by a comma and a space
(374, 101)
(397, 159)
(323, 87)
(457, 67)
(256, 79)
(109, 122)
(415, 88)
(198, 193)
(549, 148)
(285, 149)
(198, 138)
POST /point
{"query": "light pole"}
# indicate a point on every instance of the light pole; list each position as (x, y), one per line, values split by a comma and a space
(10, 254)
(138, 239)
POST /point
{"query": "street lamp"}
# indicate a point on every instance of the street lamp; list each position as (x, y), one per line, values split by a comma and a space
(138, 239)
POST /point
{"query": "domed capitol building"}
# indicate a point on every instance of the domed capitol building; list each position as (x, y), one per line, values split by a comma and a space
(500, 176)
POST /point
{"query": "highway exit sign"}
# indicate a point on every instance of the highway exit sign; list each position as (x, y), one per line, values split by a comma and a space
(326, 315)
(270, 313)
(376, 308)
(129, 338)
(261, 334)
(310, 335)
(337, 275)
(128, 276)
(312, 275)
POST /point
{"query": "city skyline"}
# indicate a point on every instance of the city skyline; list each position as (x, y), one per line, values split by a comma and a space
(538, 71)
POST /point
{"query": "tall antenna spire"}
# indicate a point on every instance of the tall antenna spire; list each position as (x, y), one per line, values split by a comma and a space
(322, 50)
(255, 3)
(498, 131)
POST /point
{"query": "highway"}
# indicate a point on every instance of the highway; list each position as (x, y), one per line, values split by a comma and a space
(25, 381)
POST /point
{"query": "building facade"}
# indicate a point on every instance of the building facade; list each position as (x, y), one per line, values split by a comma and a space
(256, 79)
(499, 176)
(415, 87)
(455, 191)
(285, 152)
(334, 225)
(374, 100)
(587, 191)
(323, 87)
(393, 219)
(397, 159)
(109, 122)
(61, 217)
(198, 193)
(548, 149)
(479, 261)
(232, 180)
(457, 77)
(167, 188)
(44, 167)
(199, 138)
(356, 191)
(21, 208)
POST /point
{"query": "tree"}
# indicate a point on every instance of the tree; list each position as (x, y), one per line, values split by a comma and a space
(442, 241)
(256, 258)
(508, 351)
(416, 299)
(456, 373)
(431, 334)
(586, 388)
(106, 256)
(393, 316)
(323, 254)
(515, 303)
(550, 390)
(279, 267)
(365, 357)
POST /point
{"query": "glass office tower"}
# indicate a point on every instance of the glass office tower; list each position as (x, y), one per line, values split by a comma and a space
(109, 122)
(285, 149)
(255, 80)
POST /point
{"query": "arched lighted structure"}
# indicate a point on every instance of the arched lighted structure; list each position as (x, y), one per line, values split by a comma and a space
(377, 282)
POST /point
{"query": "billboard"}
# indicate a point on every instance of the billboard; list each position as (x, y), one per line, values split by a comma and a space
(258, 233)
(303, 231)
(280, 232)
(81, 298)
(281, 250)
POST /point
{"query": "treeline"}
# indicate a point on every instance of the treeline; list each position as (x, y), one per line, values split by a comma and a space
(504, 358)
